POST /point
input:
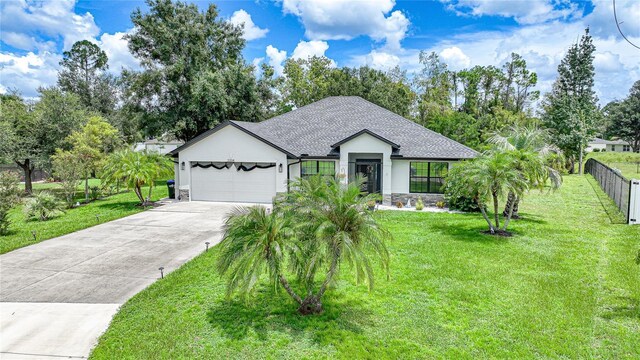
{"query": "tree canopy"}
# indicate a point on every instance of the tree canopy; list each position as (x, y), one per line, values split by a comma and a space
(623, 118)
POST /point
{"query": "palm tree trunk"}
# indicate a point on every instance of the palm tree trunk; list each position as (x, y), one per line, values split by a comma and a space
(138, 192)
(495, 210)
(484, 214)
(287, 287)
(506, 222)
(512, 201)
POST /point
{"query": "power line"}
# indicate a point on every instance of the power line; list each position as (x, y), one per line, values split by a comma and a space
(615, 16)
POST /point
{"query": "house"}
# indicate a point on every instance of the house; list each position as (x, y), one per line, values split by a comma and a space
(608, 145)
(342, 136)
(159, 146)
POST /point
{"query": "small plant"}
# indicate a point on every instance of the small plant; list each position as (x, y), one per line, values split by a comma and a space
(399, 205)
(43, 206)
(638, 258)
(9, 197)
(419, 204)
(371, 204)
(440, 204)
(95, 192)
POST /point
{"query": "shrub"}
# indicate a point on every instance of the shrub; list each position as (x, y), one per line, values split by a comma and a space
(68, 168)
(95, 192)
(440, 204)
(419, 204)
(457, 193)
(9, 197)
(43, 206)
(399, 205)
(596, 150)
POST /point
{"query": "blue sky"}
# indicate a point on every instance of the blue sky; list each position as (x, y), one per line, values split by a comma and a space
(381, 34)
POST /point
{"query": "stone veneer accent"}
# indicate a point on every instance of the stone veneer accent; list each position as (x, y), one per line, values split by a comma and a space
(386, 199)
(183, 194)
(427, 199)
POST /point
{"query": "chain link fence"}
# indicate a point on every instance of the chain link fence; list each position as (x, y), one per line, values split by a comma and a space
(612, 183)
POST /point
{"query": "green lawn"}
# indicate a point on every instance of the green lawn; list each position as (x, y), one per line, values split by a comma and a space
(627, 163)
(565, 286)
(110, 208)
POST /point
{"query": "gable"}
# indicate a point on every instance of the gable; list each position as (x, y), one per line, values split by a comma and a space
(229, 142)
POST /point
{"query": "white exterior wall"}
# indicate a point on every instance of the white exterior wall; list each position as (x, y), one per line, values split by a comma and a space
(367, 144)
(400, 176)
(591, 147)
(226, 144)
(617, 147)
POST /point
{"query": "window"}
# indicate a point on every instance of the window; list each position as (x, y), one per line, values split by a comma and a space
(427, 177)
(613, 148)
(626, 147)
(315, 167)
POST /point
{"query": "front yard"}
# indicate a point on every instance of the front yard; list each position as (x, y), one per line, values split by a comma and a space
(21, 231)
(564, 286)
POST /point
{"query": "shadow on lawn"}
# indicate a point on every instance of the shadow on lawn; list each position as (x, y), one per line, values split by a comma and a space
(631, 310)
(270, 312)
(469, 232)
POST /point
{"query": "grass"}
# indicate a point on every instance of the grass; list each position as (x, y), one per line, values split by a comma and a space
(628, 163)
(565, 286)
(110, 208)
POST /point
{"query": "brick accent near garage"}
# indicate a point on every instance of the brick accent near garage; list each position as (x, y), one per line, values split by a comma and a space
(183, 194)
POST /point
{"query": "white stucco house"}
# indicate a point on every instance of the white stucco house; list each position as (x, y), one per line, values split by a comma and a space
(340, 136)
(608, 145)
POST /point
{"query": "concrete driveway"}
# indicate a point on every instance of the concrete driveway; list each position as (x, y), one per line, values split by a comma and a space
(58, 296)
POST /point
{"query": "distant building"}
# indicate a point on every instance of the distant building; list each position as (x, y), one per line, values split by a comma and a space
(160, 146)
(598, 144)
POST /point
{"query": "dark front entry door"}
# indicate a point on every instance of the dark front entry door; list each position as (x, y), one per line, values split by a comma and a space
(371, 170)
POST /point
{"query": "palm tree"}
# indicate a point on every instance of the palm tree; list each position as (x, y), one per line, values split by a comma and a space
(492, 176)
(137, 169)
(532, 152)
(313, 229)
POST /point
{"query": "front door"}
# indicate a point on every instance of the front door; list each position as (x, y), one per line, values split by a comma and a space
(370, 170)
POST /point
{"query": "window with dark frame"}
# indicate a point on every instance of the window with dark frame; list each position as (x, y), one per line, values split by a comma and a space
(427, 177)
(315, 167)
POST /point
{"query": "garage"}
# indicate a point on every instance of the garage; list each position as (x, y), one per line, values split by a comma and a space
(239, 182)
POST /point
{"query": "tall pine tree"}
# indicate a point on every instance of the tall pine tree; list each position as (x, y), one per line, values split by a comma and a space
(570, 110)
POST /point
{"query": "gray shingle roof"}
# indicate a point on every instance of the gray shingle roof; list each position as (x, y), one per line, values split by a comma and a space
(608, 142)
(314, 128)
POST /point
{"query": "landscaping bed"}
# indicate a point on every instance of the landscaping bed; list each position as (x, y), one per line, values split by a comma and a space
(565, 285)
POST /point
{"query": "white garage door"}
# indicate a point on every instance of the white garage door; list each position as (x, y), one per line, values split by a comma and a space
(255, 186)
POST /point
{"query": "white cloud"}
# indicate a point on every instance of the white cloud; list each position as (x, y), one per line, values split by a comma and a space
(276, 59)
(347, 19)
(524, 12)
(55, 19)
(601, 21)
(26, 73)
(307, 49)
(455, 58)
(381, 60)
(117, 50)
(250, 30)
